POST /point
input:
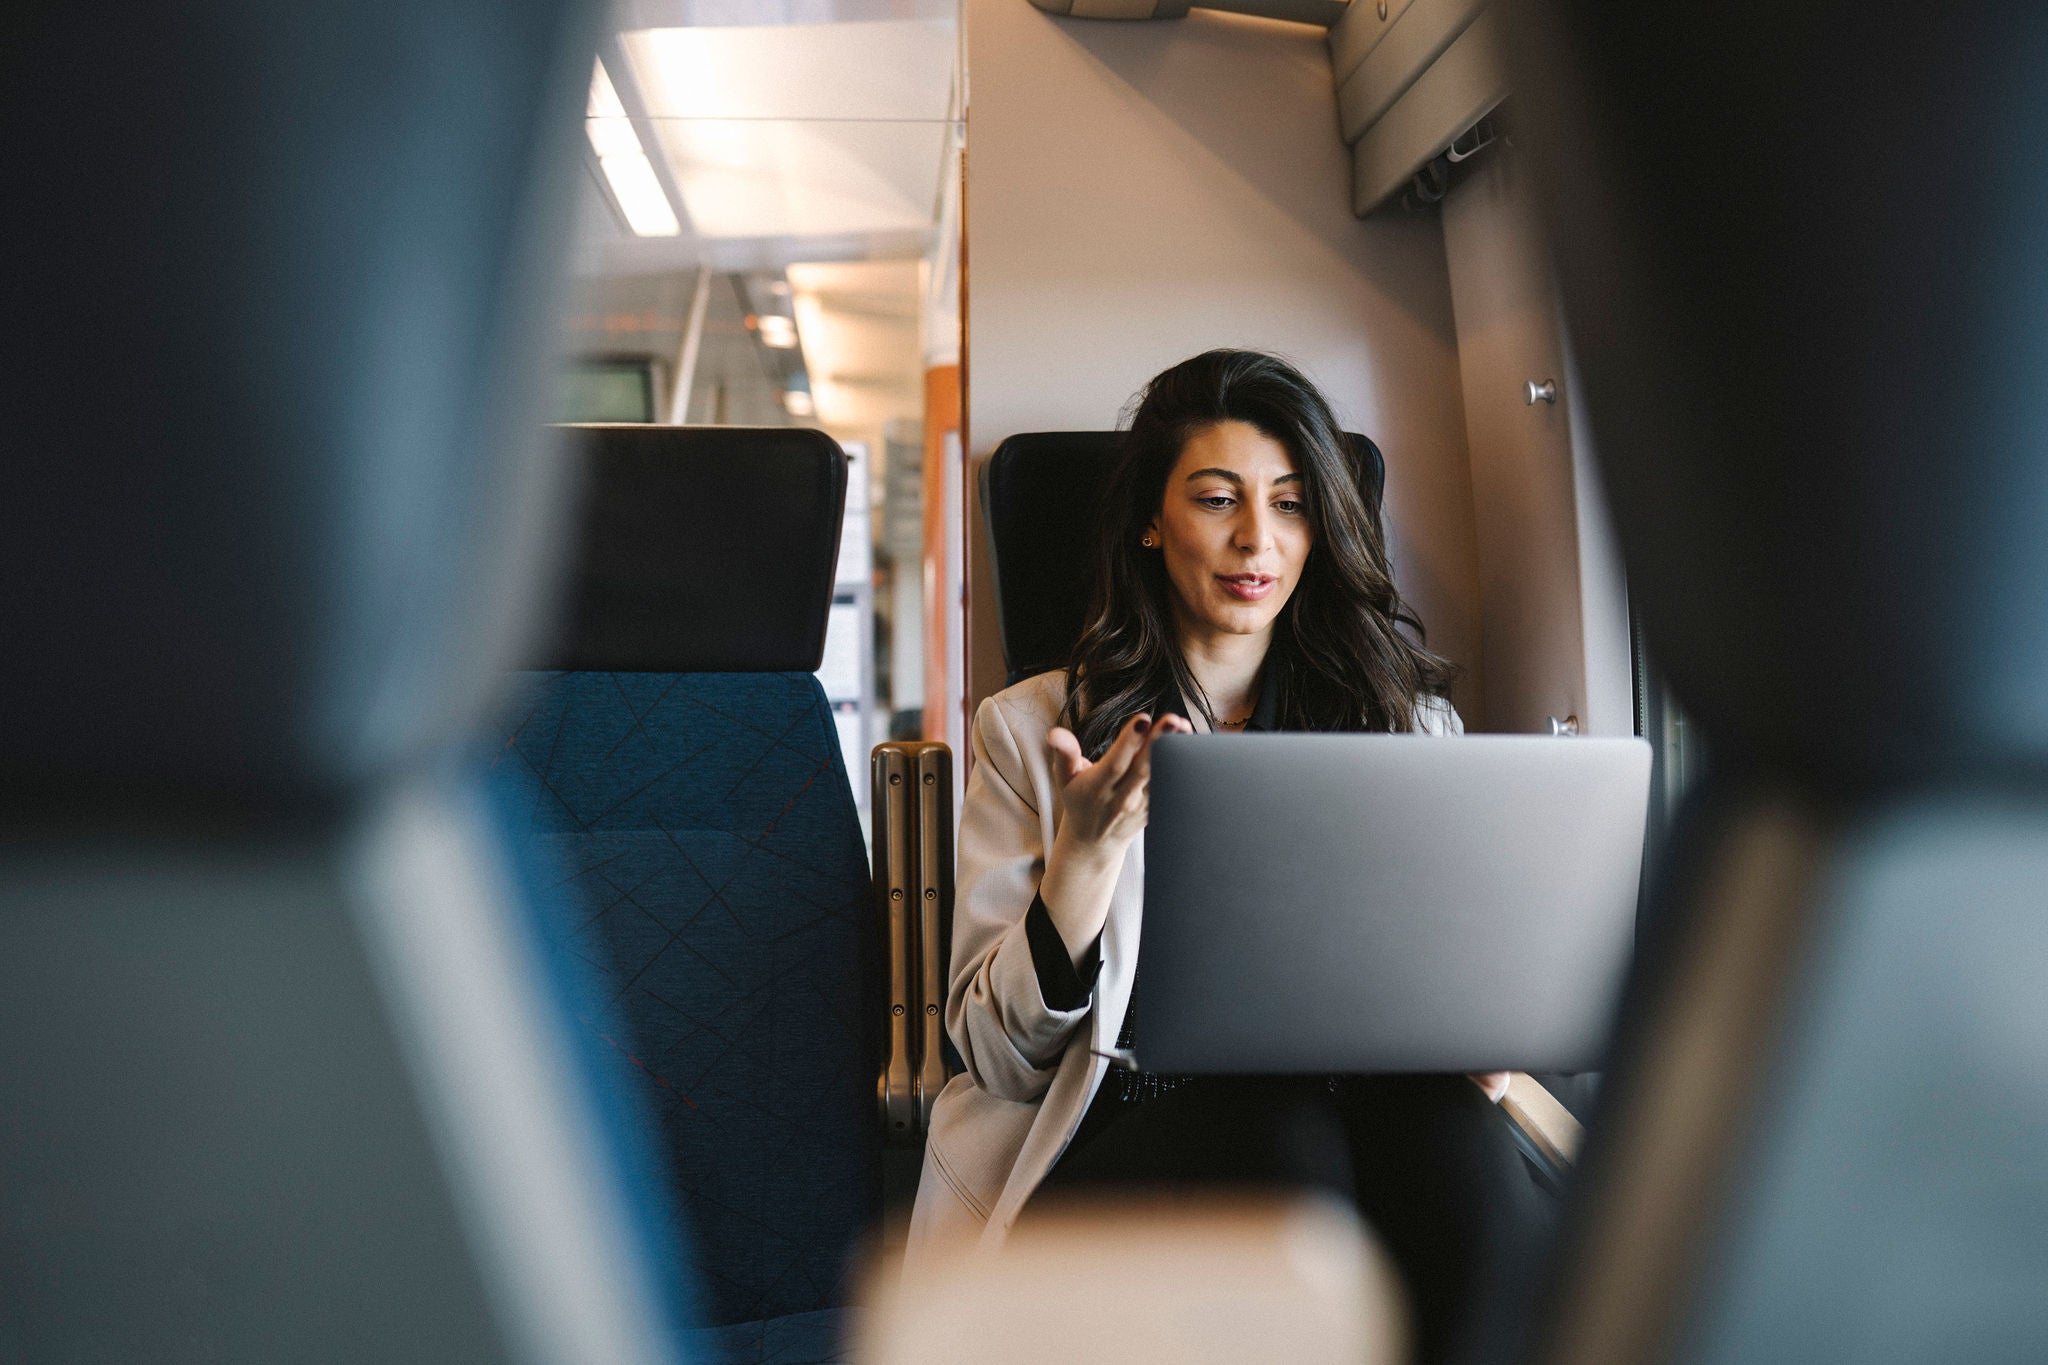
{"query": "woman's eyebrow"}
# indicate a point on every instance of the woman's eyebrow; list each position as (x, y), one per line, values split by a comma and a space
(1236, 478)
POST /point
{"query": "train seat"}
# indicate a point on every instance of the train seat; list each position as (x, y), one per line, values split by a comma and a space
(681, 766)
(1038, 492)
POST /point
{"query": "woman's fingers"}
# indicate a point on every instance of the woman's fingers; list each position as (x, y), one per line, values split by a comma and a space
(1138, 775)
(1067, 753)
(1116, 760)
(1126, 765)
(1494, 1083)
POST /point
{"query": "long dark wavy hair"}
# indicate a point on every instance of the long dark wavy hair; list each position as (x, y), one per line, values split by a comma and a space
(1340, 656)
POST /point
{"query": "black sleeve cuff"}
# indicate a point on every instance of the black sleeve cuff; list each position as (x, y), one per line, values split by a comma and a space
(1063, 986)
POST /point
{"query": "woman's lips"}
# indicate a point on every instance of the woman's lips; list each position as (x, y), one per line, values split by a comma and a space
(1247, 587)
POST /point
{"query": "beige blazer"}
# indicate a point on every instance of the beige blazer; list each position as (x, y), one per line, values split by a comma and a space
(1031, 1071)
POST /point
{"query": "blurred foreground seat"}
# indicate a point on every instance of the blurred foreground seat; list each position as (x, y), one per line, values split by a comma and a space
(1815, 389)
(1182, 1283)
(286, 1057)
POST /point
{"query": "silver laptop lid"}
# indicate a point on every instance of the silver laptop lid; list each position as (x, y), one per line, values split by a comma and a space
(1359, 903)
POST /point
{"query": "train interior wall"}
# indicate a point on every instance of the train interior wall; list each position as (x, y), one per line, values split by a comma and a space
(1139, 192)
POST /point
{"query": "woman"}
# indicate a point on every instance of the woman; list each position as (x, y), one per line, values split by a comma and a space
(1241, 584)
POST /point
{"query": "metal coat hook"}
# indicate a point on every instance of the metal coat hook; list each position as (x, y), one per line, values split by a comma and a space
(1472, 141)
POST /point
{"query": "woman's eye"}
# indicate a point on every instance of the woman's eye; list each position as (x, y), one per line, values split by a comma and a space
(1216, 500)
(1290, 506)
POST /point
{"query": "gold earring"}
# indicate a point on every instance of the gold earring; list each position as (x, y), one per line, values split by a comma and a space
(1148, 540)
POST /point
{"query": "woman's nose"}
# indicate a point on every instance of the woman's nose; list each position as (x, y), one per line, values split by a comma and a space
(1254, 530)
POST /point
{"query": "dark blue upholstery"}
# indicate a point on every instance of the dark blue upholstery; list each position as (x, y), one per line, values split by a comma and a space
(707, 824)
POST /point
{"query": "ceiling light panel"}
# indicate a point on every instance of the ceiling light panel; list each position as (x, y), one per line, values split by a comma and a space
(742, 179)
(859, 326)
(637, 14)
(891, 69)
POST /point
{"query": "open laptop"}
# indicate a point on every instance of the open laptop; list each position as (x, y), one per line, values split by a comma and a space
(1363, 903)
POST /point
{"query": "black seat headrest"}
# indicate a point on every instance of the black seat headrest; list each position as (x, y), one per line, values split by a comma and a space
(1039, 492)
(702, 550)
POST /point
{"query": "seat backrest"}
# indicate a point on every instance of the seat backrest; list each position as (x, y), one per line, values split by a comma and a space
(683, 768)
(287, 1067)
(1039, 494)
(1822, 1137)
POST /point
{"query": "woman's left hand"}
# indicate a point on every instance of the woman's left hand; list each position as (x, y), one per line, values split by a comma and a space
(1494, 1083)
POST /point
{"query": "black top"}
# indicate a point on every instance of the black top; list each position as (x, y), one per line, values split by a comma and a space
(1067, 987)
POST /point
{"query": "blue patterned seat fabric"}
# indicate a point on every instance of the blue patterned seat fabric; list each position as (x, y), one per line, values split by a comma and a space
(710, 836)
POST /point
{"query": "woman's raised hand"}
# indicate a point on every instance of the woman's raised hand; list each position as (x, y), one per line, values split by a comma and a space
(1105, 804)
(1106, 801)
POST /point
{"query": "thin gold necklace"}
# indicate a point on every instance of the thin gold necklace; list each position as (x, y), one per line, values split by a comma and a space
(1237, 724)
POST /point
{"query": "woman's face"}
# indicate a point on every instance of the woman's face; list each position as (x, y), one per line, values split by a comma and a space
(1233, 530)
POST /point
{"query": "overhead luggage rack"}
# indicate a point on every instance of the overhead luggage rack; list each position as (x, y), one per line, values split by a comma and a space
(1414, 79)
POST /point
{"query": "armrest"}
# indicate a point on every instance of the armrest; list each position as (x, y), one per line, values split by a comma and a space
(932, 767)
(893, 869)
(912, 812)
(1147, 1282)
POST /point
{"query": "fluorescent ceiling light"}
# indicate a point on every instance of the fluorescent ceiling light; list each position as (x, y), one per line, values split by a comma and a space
(778, 331)
(631, 175)
(798, 403)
